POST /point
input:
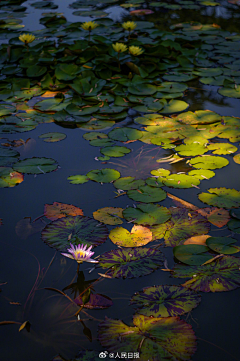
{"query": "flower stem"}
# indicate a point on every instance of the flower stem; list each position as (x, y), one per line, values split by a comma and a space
(119, 61)
(78, 268)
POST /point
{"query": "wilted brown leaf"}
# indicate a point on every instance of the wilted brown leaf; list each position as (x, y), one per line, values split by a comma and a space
(217, 216)
(59, 210)
(25, 228)
(197, 240)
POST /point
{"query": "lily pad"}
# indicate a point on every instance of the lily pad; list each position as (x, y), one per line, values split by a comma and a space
(36, 165)
(191, 149)
(165, 301)
(192, 254)
(115, 151)
(174, 106)
(221, 197)
(222, 274)
(234, 225)
(147, 194)
(222, 148)
(236, 158)
(222, 245)
(127, 183)
(109, 215)
(147, 214)
(59, 210)
(139, 236)
(78, 179)
(199, 117)
(75, 230)
(233, 92)
(52, 137)
(131, 262)
(125, 134)
(180, 181)
(182, 225)
(208, 162)
(9, 177)
(156, 338)
(105, 175)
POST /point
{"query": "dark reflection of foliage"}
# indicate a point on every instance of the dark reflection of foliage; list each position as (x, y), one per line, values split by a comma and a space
(80, 285)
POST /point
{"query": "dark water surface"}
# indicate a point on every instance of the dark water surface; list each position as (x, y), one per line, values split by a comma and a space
(54, 331)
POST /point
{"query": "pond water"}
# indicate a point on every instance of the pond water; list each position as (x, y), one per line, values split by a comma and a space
(135, 115)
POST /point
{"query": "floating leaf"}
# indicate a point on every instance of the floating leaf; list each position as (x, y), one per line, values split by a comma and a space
(192, 254)
(182, 225)
(222, 245)
(35, 165)
(220, 275)
(127, 183)
(131, 262)
(105, 175)
(197, 240)
(208, 162)
(233, 92)
(147, 194)
(59, 210)
(147, 214)
(221, 197)
(115, 151)
(222, 148)
(165, 301)
(78, 179)
(191, 149)
(109, 215)
(199, 117)
(139, 236)
(202, 173)
(180, 181)
(174, 106)
(234, 225)
(156, 338)
(9, 178)
(217, 216)
(52, 137)
(124, 134)
(236, 158)
(75, 230)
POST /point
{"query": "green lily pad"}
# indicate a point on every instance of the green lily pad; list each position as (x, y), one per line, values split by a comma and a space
(180, 181)
(208, 162)
(127, 183)
(182, 225)
(230, 92)
(160, 172)
(105, 175)
(222, 245)
(131, 262)
(115, 151)
(222, 148)
(220, 275)
(78, 179)
(142, 89)
(234, 225)
(156, 338)
(202, 173)
(191, 149)
(147, 194)
(52, 137)
(199, 117)
(75, 230)
(174, 106)
(192, 254)
(35, 71)
(165, 301)
(147, 214)
(109, 215)
(124, 134)
(221, 197)
(35, 165)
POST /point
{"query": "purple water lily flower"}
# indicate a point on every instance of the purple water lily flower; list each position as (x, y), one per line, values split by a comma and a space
(80, 253)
